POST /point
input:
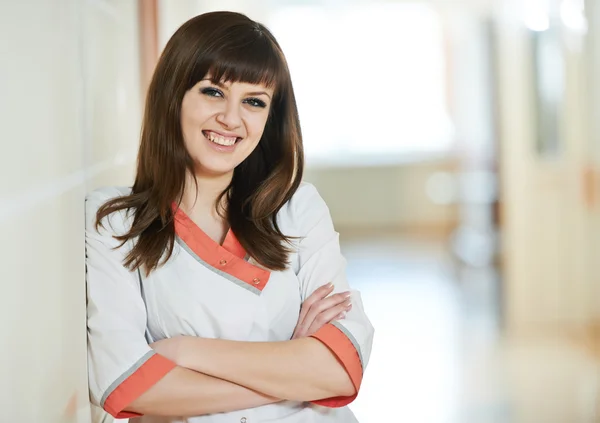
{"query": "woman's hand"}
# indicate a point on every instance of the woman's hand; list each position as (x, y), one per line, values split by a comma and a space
(319, 309)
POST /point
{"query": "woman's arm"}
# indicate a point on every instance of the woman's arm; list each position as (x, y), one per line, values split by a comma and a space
(183, 392)
(319, 258)
(126, 377)
(300, 369)
(326, 368)
(318, 310)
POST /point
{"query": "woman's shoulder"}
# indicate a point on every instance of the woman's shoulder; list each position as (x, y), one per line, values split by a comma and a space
(96, 198)
(303, 210)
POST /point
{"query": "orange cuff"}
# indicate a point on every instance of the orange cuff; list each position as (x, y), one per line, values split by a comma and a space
(153, 370)
(346, 354)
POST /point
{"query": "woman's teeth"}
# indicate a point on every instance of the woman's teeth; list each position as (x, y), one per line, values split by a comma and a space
(226, 141)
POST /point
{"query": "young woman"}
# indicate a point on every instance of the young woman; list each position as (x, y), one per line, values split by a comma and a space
(216, 287)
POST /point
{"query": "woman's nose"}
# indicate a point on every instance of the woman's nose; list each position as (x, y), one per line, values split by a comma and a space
(230, 116)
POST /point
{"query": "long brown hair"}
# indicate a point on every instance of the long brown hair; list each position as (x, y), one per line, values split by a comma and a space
(230, 47)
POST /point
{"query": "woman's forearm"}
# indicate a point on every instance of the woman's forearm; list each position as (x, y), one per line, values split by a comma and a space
(183, 392)
(302, 369)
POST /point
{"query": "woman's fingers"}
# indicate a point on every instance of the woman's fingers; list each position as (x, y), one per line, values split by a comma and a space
(337, 312)
(323, 305)
(320, 309)
(316, 296)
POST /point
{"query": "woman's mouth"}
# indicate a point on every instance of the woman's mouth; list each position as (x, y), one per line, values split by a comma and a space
(220, 139)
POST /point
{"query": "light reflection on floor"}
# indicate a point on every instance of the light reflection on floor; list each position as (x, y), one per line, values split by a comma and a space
(438, 356)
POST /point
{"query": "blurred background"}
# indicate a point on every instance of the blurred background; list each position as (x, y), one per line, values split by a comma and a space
(457, 144)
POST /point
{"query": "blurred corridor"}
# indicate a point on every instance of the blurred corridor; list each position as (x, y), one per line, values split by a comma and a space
(440, 356)
(456, 143)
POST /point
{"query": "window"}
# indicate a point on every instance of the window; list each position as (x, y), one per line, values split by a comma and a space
(369, 79)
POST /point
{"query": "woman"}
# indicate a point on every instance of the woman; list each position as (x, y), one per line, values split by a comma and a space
(207, 280)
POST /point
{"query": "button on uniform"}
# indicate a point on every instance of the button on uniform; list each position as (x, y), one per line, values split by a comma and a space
(223, 262)
(256, 281)
(243, 420)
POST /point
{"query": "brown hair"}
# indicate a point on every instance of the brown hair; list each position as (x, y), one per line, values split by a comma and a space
(230, 47)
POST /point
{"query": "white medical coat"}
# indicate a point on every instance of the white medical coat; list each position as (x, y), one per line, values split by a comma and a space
(213, 291)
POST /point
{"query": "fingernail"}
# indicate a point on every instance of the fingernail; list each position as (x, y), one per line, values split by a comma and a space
(347, 294)
(348, 303)
(342, 315)
(330, 285)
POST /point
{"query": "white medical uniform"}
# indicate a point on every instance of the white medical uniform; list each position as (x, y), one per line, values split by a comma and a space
(213, 291)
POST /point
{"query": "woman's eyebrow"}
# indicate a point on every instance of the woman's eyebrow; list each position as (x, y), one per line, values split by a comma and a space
(221, 85)
(259, 93)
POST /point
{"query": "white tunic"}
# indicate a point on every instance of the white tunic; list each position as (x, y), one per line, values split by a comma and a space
(213, 291)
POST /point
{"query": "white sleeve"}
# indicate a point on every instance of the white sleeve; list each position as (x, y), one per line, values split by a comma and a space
(121, 364)
(320, 261)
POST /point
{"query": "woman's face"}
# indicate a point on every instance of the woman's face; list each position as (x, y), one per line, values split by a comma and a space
(223, 123)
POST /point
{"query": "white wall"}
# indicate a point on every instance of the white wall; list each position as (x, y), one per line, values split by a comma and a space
(172, 14)
(392, 197)
(69, 112)
(593, 115)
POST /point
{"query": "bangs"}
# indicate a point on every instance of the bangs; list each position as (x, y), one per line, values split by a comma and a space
(255, 61)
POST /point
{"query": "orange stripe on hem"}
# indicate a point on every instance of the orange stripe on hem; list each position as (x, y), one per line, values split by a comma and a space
(345, 352)
(154, 369)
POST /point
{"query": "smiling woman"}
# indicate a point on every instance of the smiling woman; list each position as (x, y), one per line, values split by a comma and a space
(206, 80)
(216, 287)
(223, 117)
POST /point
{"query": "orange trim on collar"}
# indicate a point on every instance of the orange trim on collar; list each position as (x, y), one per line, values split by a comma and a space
(228, 258)
(232, 245)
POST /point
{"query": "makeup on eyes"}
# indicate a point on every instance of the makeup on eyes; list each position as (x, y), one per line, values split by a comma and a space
(225, 87)
(210, 91)
(255, 102)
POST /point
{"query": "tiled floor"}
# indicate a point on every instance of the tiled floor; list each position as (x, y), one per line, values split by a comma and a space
(438, 355)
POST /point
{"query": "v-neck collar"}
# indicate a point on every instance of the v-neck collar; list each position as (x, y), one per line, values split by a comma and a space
(186, 224)
(228, 258)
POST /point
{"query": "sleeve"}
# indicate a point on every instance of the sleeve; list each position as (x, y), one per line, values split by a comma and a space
(320, 261)
(121, 364)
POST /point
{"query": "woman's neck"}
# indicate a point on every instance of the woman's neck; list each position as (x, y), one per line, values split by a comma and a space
(200, 198)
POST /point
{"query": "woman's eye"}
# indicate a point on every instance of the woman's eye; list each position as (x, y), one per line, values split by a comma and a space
(255, 102)
(212, 92)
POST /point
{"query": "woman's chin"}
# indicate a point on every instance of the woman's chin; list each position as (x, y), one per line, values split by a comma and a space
(214, 171)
